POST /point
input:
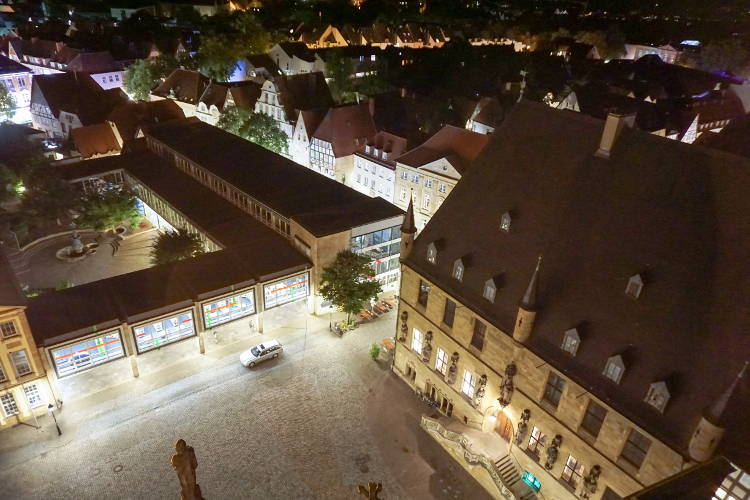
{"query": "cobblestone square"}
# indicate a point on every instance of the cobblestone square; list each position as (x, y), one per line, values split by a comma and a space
(314, 423)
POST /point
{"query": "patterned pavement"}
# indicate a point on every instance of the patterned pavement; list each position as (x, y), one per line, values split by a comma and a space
(298, 427)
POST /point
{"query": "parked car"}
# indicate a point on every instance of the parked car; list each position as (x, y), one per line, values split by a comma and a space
(261, 352)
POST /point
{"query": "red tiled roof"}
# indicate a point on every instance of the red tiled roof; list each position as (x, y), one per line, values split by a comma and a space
(346, 128)
(464, 144)
(97, 140)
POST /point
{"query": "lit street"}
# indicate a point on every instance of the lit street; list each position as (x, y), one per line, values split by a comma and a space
(314, 423)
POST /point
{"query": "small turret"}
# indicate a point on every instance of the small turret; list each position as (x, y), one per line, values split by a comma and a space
(408, 230)
(711, 428)
(527, 308)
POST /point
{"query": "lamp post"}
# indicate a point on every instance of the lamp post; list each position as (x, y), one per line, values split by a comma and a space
(52, 412)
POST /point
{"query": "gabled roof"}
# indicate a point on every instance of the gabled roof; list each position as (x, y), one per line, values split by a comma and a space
(93, 63)
(303, 92)
(312, 119)
(244, 94)
(463, 144)
(75, 93)
(298, 50)
(676, 214)
(97, 140)
(265, 62)
(384, 142)
(130, 115)
(734, 138)
(185, 85)
(346, 128)
(321, 205)
(11, 67)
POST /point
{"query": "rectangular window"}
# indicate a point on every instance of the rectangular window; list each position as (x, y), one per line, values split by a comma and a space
(3, 378)
(402, 196)
(33, 396)
(536, 442)
(428, 183)
(404, 175)
(477, 339)
(8, 329)
(442, 361)
(359, 178)
(285, 291)
(469, 382)
(229, 308)
(9, 405)
(20, 363)
(554, 389)
(424, 292)
(87, 354)
(162, 332)
(594, 418)
(416, 342)
(442, 188)
(426, 201)
(449, 313)
(635, 449)
(415, 178)
(572, 472)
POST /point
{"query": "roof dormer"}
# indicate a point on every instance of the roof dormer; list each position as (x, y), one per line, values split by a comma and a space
(490, 289)
(658, 395)
(571, 341)
(431, 253)
(458, 269)
(635, 285)
(614, 369)
(505, 222)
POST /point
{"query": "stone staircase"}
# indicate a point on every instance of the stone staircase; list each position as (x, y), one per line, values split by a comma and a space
(512, 479)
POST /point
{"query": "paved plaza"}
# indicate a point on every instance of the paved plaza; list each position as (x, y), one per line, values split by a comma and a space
(314, 423)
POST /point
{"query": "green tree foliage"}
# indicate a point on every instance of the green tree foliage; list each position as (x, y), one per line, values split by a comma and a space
(10, 184)
(340, 69)
(145, 74)
(186, 14)
(234, 36)
(255, 127)
(47, 198)
(728, 54)
(610, 44)
(108, 209)
(7, 104)
(347, 282)
(374, 351)
(174, 246)
(371, 85)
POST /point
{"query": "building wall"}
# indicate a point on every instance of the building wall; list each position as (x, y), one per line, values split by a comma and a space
(43, 119)
(498, 351)
(19, 86)
(372, 179)
(299, 148)
(13, 385)
(112, 80)
(428, 192)
(186, 107)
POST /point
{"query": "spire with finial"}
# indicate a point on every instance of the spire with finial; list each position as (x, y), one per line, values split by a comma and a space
(408, 226)
(714, 412)
(529, 299)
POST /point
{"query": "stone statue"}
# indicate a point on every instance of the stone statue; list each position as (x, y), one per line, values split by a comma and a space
(590, 482)
(404, 327)
(372, 490)
(552, 452)
(523, 427)
(453, 370)
(426, 352)
(185, 463)
(507, 387)
(479, 394)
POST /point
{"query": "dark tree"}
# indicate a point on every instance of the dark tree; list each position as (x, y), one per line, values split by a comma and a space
(348, 282)
(174, 246)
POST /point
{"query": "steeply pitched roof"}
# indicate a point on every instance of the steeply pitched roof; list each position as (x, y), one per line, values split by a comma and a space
(387, 143)
(245, 95)
(187, 86)
(312, 119)
(93, 63)
(346, 128)
(99, 139)
(464, 144)
(9, 66)
(130, 115)
(298, 50)
(695, 483)
(677, 215)
(265, 62)
(322, 206)
(75, 93)
(303, 92)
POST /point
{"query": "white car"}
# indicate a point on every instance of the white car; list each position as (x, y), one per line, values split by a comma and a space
(261, 352)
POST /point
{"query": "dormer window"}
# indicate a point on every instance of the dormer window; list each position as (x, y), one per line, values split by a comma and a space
(458, 270)
(489, 290)
(658, 395)
(367, 149)
(635, 285)
(431, 253)
(356, 141)
(614, 368)
(505, 222)
(571, 340)
(385, 155)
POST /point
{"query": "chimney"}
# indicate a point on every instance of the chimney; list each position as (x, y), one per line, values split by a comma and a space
(371, 105)
(612, 128)
(59, 46)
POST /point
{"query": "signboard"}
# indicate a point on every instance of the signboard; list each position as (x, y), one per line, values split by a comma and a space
(532, 481)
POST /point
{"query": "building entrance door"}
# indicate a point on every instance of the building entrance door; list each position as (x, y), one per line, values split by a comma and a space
(503, 426)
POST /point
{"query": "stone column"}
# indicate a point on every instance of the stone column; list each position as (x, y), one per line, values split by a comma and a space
(198, 325)
(129, 345)
(259, 306)
(50, 371)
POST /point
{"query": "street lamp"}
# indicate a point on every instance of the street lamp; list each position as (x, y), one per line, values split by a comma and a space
(52, 412)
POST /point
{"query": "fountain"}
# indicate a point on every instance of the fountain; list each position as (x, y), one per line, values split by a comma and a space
(77, 251)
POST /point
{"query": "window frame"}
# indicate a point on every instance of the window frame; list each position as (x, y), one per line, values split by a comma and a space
(8, 401)
(479, 335)
(452, 312)
(423, 293)
(416, 334)
(590, 416)
(550, 389)
(12, 326)
(441, 361)
(472, 384)
(25, 361)
(632, 447)
(576, 471)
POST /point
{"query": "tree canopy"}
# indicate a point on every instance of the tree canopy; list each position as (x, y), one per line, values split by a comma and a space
(348, 282)
(725, 55)
(145, 74)
(7, 104)
(255, 127)
(174, 246)
(109, 208)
